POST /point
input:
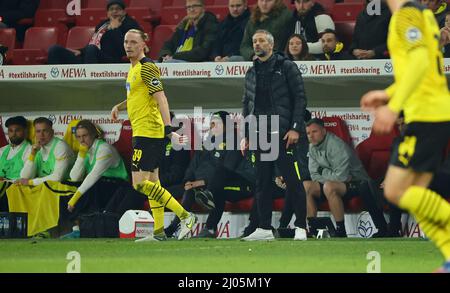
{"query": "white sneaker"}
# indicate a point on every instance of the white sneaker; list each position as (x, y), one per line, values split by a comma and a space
(147, 239)
(187, 225)
(300, 234)
(260, 235)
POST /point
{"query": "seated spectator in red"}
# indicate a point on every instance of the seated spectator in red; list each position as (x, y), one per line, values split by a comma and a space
(12, 11)
(269, 15)
(333, 49)
(309, 19)
(369, 39)
(297, 49)
(231, 31)
(194, 37)
(105, 46)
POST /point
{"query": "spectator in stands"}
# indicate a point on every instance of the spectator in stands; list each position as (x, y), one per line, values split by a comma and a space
(194, 37)
(297, 49)
(309, 19)
(105, 46)
(274, 86)
(445, 36)
(270, 15)
(13, 155)
(100, 169)
(337, 174)
(230, 32)
(12, 11)
(439, 8)
(173, 167)
(370, 34)
(49, 162)
(333, 49)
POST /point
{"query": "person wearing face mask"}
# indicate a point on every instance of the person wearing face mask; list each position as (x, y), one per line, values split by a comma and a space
(194, 37)
(105, 45)
(13, 155)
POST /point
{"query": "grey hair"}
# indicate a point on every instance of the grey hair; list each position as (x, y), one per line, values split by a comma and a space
(269, 36)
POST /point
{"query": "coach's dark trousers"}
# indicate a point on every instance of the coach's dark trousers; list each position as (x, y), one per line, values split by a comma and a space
(264, 182)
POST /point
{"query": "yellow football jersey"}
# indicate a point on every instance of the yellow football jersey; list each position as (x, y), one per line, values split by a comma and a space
(414, 27)
(142, 82)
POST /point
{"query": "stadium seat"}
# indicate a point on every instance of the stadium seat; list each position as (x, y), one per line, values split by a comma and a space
(70, 136)
(79, 36)
(143, 17)
(3, 140)
(172, 15)
(53, 4)
(160, 34)
(155, 7)
(337, 126)
(124, 144)
(94, 4)
(91, 17)
(242, 206)
(8, 39)
(35, 47)
(54, 18)
(374, 153)
(346, 11)
(344, 30)
(220, 2)
(220, 11)
(327, 4)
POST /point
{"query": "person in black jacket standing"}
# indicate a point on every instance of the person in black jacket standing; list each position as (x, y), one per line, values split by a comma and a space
(274, 88)
(106, 44)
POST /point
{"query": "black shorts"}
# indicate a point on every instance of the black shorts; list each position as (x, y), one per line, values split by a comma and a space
(421, 146)
(148, 153)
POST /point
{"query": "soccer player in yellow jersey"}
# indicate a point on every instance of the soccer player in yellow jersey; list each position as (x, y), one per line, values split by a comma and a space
(420, 90)
(148, 111)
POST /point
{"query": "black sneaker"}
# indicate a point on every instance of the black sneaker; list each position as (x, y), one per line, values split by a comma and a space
(172, 229)
(205, 233)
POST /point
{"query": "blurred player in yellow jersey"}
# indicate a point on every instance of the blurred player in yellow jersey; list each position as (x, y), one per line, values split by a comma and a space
(420, 90)
(148, 111)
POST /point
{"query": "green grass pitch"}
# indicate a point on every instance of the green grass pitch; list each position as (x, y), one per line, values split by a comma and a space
(221, 256)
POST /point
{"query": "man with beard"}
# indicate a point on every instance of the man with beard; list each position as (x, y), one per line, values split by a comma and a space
(13, 155)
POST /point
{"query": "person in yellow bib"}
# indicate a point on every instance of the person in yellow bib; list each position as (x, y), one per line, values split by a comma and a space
(99, 168)
(420, 90)
(48, 164)
(13, 156)
(148, 111)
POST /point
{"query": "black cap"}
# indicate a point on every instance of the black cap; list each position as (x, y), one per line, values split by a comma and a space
(17, 120)
(118, 2)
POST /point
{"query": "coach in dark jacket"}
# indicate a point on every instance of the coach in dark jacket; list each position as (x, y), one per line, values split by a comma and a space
(274, 86)
(105, 46)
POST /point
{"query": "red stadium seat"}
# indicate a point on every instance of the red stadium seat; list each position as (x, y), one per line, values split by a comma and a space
(346, 11)
(155, 7)
(242, 206)
(3, 140)
(54, 18)
(172, 15)
(123, 144)
(94, 4)
(53, 4)
(8, 39)
(219, 11)
(344, 30)
(35, 47)
(374, 153)
(91, 17)
(160, 34)
(327, 5)
(79, 36)
(337, 126)
(143, 17)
